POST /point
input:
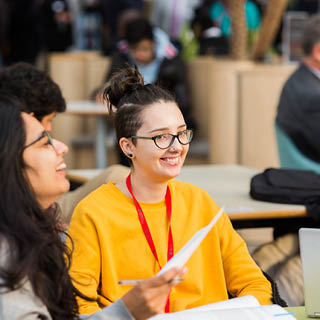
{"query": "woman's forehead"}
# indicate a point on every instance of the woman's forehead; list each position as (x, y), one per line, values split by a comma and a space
(162, 115)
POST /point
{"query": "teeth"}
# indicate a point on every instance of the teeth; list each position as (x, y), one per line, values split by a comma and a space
(62, 166)
(172, 160)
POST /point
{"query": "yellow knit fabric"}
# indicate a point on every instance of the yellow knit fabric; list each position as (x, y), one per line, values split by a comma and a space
(109, 245)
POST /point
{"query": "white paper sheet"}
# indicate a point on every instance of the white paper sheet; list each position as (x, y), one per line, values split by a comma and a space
(235, 303)
(230, 310)
(183, 255)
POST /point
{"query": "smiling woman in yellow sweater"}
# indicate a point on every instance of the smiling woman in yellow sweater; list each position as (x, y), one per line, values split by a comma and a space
(129, 230)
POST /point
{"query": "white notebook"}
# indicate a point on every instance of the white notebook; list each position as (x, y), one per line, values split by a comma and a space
(242, 308)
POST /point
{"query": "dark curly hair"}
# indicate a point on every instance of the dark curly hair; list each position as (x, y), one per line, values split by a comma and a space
(34, 88)
(33, 237)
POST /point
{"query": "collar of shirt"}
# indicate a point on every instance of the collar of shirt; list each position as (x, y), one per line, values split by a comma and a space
(315, 71)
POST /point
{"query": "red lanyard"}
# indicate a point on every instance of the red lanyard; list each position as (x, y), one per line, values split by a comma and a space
(146, 229)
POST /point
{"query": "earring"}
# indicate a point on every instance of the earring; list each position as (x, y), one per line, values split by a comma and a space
(129, 155)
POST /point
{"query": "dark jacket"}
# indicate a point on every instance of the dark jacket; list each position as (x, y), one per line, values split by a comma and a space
(299, 111)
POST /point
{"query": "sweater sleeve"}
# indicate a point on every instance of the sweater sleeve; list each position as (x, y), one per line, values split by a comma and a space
(243, 276)
(116, 311)
(85, 266)
(22, 304)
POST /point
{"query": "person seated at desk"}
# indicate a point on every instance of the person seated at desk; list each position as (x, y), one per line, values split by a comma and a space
(157, 59)
(298, 113)
(43, 98)
(130, 229)
(34, 261)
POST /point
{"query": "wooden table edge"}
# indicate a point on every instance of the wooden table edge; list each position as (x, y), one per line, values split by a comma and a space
(278, 214)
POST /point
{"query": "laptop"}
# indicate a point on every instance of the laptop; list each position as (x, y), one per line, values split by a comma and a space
(310, 257)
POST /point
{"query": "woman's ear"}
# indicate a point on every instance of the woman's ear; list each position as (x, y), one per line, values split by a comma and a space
(127, 147)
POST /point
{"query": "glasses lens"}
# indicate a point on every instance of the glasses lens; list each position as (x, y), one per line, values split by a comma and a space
(163, 141)
(185, 136)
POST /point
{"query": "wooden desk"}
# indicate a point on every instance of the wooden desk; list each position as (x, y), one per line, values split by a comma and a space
(90, 108)
(229, 185)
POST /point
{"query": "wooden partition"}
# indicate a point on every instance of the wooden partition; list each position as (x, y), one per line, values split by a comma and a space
(78, 74)
(223, 110)
(198, 78)
(259, 90)
(235, 104)
(214, 98)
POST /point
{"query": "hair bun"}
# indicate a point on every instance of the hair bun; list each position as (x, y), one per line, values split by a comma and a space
(123, 83)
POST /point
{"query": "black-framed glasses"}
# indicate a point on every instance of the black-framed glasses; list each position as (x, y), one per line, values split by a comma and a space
(165, 141)
(44, 134)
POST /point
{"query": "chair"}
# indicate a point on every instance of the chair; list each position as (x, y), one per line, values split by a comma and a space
(290, 156)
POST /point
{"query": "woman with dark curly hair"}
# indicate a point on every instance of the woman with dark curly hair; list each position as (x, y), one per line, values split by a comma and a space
(34, 261)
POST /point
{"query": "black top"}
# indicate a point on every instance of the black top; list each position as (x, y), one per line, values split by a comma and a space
(299, 111)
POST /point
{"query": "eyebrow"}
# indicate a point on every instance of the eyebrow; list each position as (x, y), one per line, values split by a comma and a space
(163, 129)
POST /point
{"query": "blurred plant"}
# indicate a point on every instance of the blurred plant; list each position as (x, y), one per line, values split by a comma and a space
(189, 43)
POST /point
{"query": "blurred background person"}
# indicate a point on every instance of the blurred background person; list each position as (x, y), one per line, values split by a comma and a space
(23, 36)
(56, 21)
(298, 109)
(172, 15)
(111, 11)
(212, 25)
(298, 116)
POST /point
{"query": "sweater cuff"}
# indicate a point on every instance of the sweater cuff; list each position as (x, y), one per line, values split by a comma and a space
(116, 311)
(122, 310)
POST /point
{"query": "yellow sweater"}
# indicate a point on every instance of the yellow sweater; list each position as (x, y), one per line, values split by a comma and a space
(109, 245)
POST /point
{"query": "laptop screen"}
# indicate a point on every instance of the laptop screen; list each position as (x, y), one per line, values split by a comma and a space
(310, 257)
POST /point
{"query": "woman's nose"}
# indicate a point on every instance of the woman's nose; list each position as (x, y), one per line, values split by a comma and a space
(60, 147)
(176, 145)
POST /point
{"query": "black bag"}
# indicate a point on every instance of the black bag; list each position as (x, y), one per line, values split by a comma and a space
(289, 186)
